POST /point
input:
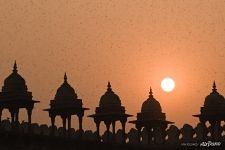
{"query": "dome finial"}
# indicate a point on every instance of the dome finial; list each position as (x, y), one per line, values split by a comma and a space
(65, 77)
(150, 93)
(15, 67)
(214, 87)
(109, 86)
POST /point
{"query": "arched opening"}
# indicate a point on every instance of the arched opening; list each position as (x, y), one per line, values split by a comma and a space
(209, 134)
(102, 128)
(207, 124)
(58, 121)
(166, 138)
(23, 117)
(180, 136)
(6, 114)
(195, 135)
(75, 122)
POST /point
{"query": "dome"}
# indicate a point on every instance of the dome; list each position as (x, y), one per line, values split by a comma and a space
(65, 92)
(151, 104)
(14, 82)
(214, 98)
(109, 98)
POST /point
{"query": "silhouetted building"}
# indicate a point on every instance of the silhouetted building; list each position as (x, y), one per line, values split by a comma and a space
(15, 95)
(110, 111)
(213, 110)
(150, 117)
(66, 104)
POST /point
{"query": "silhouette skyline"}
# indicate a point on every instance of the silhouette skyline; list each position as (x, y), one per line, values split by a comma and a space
(15, 95)
(152, 129)
(132, 44)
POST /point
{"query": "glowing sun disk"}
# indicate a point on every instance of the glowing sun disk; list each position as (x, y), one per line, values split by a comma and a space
(167, 84)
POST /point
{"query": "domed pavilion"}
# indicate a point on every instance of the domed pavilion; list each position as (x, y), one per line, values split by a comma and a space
(65, 104)
(15, 95)
(213, 110)
(109, 111)
(151, 116)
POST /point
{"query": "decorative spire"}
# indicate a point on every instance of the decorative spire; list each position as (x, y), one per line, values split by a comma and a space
(109, 87)
(65, 78)
(214, 87)
(15, 67)
(150, 93)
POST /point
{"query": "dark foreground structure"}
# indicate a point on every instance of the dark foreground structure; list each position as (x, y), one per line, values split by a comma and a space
(14, 141)
(152, 129)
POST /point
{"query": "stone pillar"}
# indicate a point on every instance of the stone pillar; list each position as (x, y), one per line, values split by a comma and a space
(217, 130)
(138, 127)
(16, 115)
(12, 119)
(29, 113)
(205, 130)
(69, 125)
(1, 109)
(149, 135)
(80, 118)
(163, 128)
(64, 124)
(213, 123)
(107, 124)
(114, 130)
(53, 125)
(12, 116)
(97, 123)
(124, 131)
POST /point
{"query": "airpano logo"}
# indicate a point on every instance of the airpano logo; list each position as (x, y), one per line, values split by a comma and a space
(210, 143)
(202, 144)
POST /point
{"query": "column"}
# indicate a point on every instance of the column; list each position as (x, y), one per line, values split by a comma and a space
(16, 115)
(138, 127)
(124, 131)
(217, 130)
(149, 135)
(1, 109)
(80, 118)
(213, 123)
(107, 124)
(64, 125)
(97, 123)
(53, 125)
(12, 116)
(29, 113)
(69, 125)
(203, 123)
(114, 130)
(163, 128)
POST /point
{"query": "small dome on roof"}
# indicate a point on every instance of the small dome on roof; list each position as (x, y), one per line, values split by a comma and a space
(151, 104)
(14, 82)
(214, 98)
(109, 98)
(65, 92)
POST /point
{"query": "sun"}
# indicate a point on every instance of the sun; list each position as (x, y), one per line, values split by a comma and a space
(168, 84)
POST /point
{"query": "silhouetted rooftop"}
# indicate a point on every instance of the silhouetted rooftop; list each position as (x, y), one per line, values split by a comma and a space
(14, 82)
(109, 98)
(65, 92)
(151, 104)
(214, 98)
(214, 106)
(151, 113)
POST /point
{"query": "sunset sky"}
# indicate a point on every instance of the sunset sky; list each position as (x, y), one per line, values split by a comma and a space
(132, 43)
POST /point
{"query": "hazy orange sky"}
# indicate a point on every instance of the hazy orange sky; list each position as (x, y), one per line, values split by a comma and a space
(132, 43)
